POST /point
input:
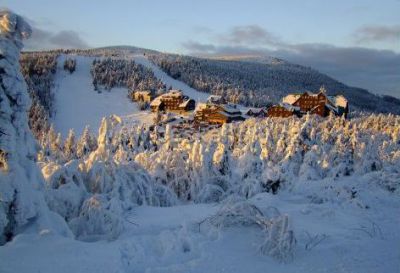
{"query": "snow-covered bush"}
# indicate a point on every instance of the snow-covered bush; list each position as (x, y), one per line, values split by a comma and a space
(93, 193)
(280, 241)
(98, 219)
(279, 238)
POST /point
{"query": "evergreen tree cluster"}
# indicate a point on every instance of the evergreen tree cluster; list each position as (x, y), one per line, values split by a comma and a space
(70, 65)
(38, 70)
(124, 73)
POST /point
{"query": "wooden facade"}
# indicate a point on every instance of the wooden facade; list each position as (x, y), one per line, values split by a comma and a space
(217, 114)
(313, 103)
(173, 101)
(318, 104)
(280, 111)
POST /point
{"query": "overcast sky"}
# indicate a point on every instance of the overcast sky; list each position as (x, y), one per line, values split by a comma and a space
(355, 41)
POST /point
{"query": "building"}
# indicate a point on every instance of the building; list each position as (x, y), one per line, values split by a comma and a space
(214, 99)
(173, 101)
(256, 112)
(142, 96)
(314, 103)
(283, 110)
(217, 114)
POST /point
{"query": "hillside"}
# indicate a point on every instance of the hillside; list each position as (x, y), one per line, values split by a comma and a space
(247, 80)
(260, 81)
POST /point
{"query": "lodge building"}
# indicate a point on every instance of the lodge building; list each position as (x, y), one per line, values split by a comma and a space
(173, 101)
(320, 104)
(283, 110)
(217, 113)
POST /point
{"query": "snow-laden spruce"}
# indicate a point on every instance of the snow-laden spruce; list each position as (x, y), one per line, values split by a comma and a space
(94, 193)
(254, 156)
(22, 203)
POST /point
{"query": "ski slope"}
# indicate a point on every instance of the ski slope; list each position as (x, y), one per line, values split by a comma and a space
(169, 81)
(78, 105)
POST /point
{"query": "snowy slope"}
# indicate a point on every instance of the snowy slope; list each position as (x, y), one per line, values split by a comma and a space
(169, 240)
(78, 105)
(169, 81)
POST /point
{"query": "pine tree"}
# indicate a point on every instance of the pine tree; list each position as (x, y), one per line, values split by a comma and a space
(70, 146)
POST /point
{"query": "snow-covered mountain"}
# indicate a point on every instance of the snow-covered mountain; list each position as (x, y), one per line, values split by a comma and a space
(306, 194)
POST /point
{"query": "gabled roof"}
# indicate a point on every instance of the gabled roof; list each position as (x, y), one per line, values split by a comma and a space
(229, 108)
(291, 98)
(156, 102)
(214, 99)
(255, 110)
(185, 103)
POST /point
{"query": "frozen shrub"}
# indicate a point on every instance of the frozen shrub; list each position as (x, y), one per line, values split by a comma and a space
(280, 240)
(97, 221)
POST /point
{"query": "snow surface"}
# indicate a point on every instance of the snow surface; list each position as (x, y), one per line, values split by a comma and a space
(169, 240)
(78, 105)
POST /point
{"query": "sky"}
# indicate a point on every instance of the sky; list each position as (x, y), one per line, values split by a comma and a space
(354, 41)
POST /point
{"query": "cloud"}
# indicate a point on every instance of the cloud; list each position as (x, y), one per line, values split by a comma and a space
(369, 34)
(372, 69)
(42, 39)
(249, 35)
(197, 47)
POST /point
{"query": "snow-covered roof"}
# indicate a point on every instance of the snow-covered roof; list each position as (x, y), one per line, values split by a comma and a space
(185, 103)
(255, 110)
(156, 102)
(200, 106)
(229, 108)
(291, 98)
(173, 93)
(214, 99)
(338, 101)
(289, 107)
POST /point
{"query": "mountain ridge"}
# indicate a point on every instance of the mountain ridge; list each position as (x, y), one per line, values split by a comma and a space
(253, 80)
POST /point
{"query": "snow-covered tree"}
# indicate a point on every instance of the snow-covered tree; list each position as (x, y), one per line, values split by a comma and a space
(22, 201)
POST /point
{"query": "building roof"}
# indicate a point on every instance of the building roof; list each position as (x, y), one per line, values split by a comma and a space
(255, 110)
(214, 99)
(338, 101)
(230, 108)
(173, 93)
(185, 103)
(291, 98)
(156, 102)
